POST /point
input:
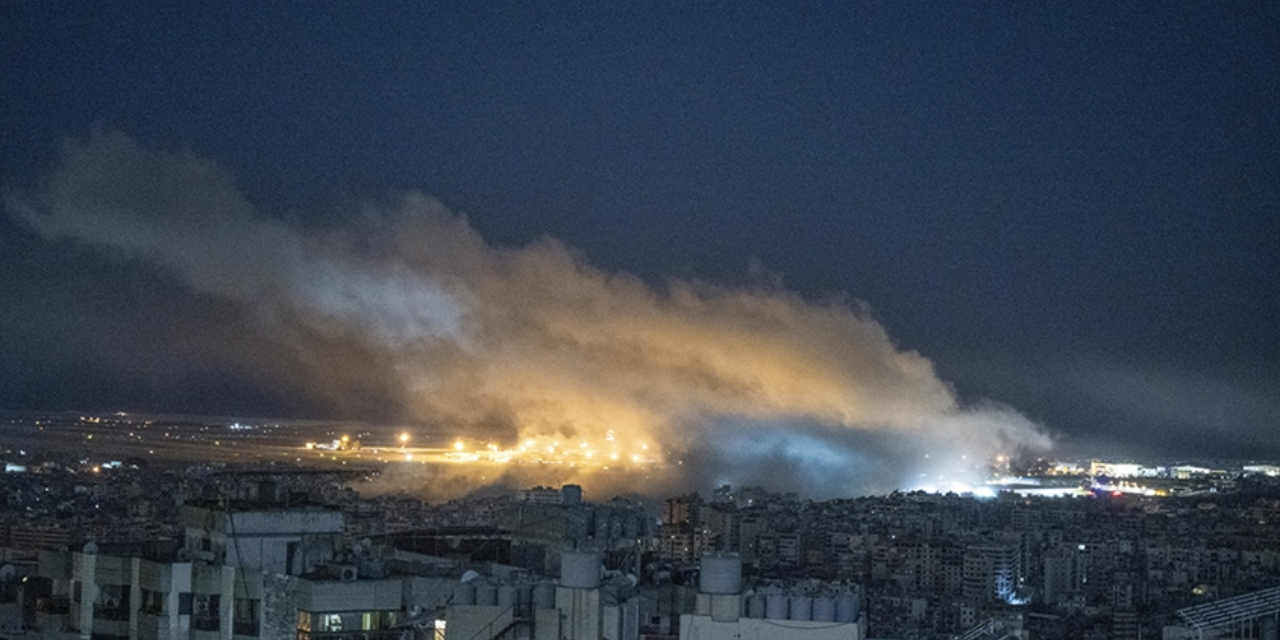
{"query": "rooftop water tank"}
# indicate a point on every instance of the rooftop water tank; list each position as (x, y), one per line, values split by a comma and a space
(775, 606)
(506, 596)
(721, 574)
(464, 594)
(801, 608)
(755, 606)
(824, 609)
(486, 595)
(580, 569)
(846, 607)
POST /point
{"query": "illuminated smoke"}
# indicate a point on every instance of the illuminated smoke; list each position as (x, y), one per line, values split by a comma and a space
(534, 345)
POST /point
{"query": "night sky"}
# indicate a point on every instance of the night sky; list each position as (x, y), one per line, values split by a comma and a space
(1067, 210)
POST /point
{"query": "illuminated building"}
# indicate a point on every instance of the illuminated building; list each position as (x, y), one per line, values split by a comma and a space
(991, 571)
(1262, 470)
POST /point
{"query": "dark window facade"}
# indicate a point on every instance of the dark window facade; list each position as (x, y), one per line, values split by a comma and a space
(208, 612)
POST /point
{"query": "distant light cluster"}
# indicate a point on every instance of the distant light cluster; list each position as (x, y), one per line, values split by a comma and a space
(610, 453)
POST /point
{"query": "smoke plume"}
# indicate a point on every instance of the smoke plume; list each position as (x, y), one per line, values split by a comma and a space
(685, 384)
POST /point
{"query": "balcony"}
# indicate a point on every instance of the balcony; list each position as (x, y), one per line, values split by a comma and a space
(57, 605)
(154, 626)
(205, 622)
(52, 621)
(110, 614)
(115, 628)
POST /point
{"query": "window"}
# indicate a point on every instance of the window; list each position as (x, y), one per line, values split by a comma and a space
(152, 602)
(112, 602)
(207, 616)
(331, 622)
(184, 603)
(245, 622)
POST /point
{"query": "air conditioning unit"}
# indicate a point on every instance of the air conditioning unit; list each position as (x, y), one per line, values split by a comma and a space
(345, 572)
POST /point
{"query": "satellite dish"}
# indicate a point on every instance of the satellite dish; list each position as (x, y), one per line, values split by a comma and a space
(90, 548)
(469, 576)
(7, 572)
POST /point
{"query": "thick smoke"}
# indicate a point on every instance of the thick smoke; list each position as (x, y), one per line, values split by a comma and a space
(534, 345)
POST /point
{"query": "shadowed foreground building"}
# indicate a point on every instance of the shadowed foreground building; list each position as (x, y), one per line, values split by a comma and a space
(244, 573)
(286, 572)
(722, 612)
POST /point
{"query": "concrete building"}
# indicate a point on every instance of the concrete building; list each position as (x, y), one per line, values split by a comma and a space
(722, 613)
(245, 573)
(686, 509)
(584, 605)
(1059, 574)
(681, 542)
(540, 495)
(343, 606)
(991, 571)
(290, 541)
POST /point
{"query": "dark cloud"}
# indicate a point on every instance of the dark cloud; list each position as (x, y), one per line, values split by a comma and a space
(1173, 410)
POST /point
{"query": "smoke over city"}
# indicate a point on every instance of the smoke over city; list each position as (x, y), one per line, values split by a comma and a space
(681, 385)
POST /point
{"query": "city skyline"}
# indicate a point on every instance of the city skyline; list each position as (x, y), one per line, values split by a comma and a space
(822, 244)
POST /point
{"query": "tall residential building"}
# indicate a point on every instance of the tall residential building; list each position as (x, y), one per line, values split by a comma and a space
(991, 571)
